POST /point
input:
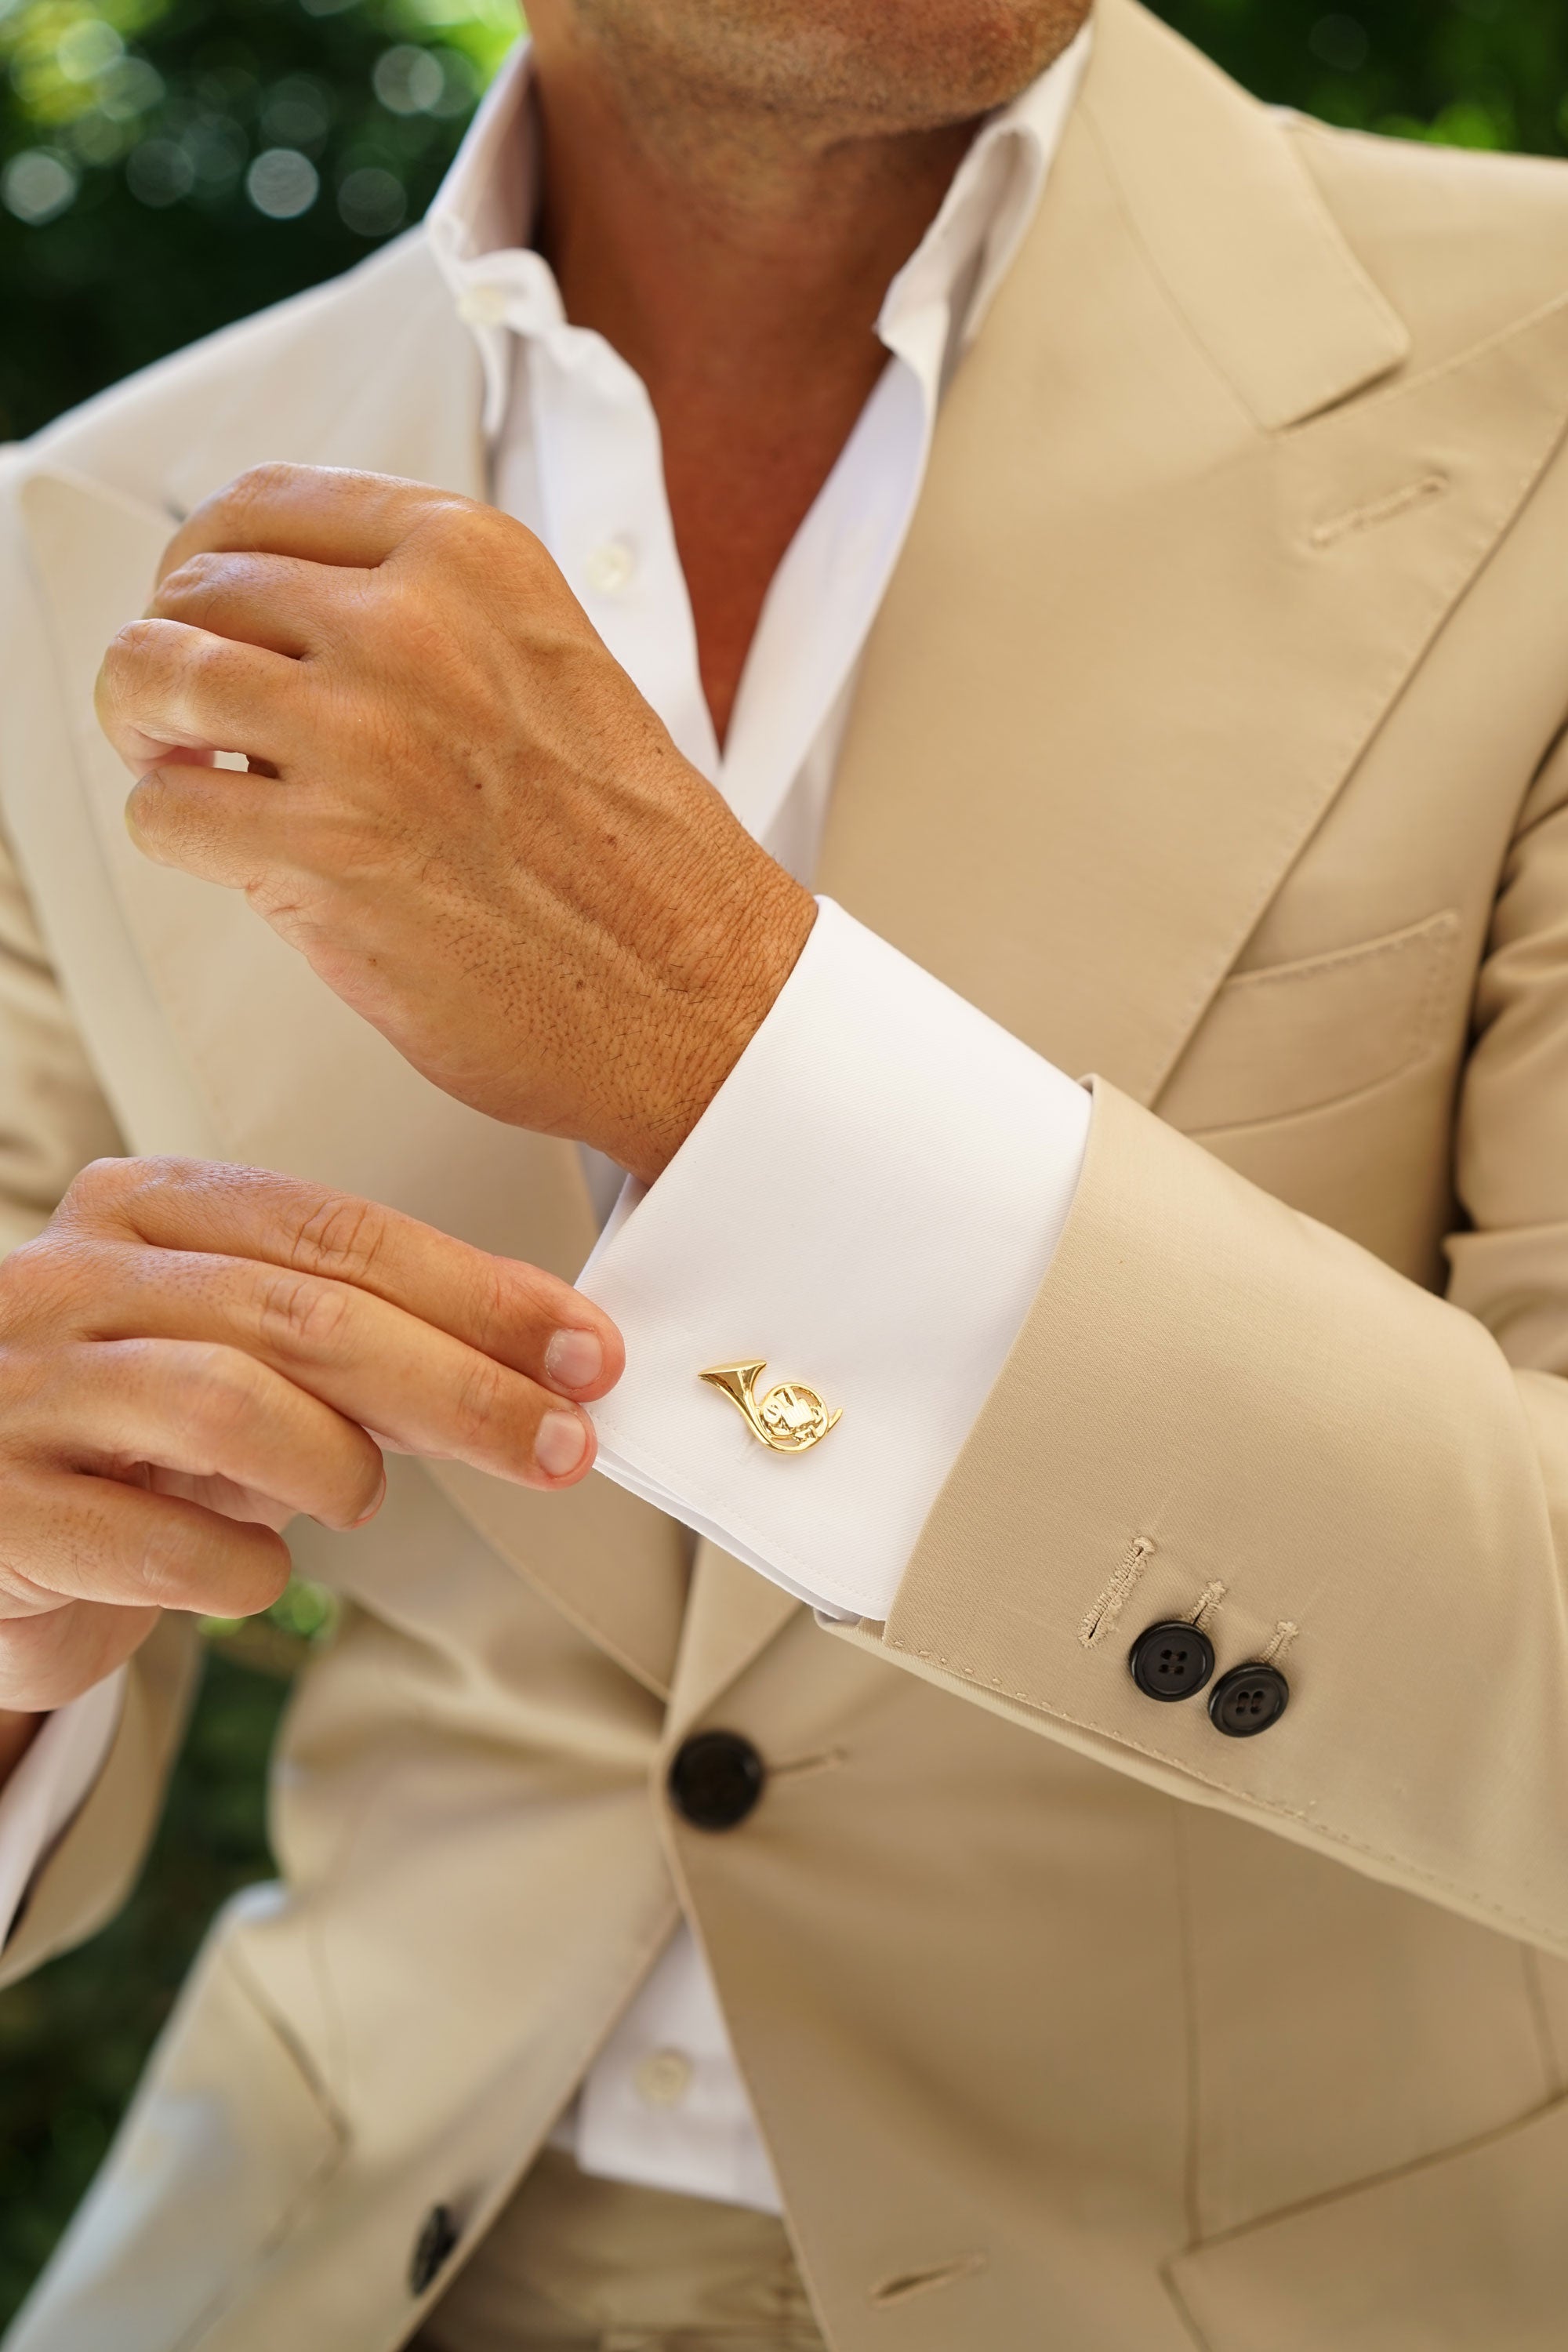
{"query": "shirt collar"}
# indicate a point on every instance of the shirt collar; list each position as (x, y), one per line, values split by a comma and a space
(485, 208)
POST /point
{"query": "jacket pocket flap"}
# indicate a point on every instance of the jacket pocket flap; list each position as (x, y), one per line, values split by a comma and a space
(1468, 2252)
(1289, 1037)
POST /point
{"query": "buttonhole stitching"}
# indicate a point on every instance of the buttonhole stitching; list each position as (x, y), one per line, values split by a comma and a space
(1108, 1607)
(1209, 1600)
(807, 1767)
(1376, 511)
(1284, 1634)
(895, 2291)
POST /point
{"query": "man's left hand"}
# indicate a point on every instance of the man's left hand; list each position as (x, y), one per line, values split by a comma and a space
(459, 808)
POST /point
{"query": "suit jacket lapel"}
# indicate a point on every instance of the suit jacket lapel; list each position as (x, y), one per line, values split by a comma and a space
(1166, 577)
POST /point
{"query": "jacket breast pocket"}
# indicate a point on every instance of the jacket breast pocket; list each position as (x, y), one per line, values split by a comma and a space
(1293, 1038)
(1465, 2253)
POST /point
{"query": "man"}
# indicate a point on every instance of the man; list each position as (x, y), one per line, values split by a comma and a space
(1127, 1908)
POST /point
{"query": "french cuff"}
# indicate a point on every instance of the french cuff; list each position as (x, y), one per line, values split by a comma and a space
(852, 1235)
(49, 1786)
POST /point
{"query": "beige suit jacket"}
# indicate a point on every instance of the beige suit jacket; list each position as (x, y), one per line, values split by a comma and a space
(1209, 740)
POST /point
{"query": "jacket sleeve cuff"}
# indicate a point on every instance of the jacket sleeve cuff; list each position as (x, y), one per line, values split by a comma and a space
(868, 1207)
(48, 1786)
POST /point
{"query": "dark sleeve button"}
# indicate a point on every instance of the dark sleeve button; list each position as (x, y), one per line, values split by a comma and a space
(1248, 1700)
(433, 2249)
(715, 1779)
(1170, 1660)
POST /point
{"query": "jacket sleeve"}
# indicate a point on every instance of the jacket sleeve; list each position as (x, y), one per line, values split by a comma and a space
(91, 1870)
(53, 1120)
(1218, 1405)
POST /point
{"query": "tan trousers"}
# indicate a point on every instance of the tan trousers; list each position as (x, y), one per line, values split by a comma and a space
(574, 2264)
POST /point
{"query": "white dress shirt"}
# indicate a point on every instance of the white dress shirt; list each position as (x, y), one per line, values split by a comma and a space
(873, 1198)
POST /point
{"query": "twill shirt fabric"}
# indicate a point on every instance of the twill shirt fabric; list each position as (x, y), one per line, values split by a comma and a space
(1207, 741)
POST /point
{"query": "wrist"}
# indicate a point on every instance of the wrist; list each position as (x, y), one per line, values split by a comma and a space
(755, 948)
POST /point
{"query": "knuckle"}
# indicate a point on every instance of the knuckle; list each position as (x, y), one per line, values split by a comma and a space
(301, 1315)
(132, 652)
(480, 1398)
(113, 1191)
(102, 1184)
(257, 486)
(218, 1395)
(193, 582)
(333, 1233)
(32, 1278)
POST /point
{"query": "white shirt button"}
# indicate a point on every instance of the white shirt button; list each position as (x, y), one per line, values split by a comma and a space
(663, 2078)
(611, 568)
(483, 306)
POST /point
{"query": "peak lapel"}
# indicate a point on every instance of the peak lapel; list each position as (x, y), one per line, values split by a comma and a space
(243, 1054)
(1130, 656)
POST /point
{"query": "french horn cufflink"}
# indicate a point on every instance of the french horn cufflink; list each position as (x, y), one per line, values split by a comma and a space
(790, 1419)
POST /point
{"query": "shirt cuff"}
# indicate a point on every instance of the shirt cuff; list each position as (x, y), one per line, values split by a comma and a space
(47, 1786)
(868, 1206)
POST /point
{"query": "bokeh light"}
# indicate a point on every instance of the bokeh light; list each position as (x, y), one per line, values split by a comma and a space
(282, 182)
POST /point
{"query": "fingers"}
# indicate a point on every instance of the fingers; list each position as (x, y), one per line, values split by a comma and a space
(196, 1407)
(214, 822)
(162, 684)
(516, 1313)
(320, 513)
(73, 1536)
(419, 1388)
(275, 602)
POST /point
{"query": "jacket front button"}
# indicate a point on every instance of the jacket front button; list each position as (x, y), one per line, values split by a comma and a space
(1170, 1660)
(1248, 1700)
(432, 2249)
(715, 1779)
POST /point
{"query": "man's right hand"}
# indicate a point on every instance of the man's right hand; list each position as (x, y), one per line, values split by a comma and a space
(190, 1354)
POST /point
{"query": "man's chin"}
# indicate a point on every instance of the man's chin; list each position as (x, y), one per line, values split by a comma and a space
(844, 68)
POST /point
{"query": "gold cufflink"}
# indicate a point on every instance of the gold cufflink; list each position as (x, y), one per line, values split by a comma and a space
(790, 1419)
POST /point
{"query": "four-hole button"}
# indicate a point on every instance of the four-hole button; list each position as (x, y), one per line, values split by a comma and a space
(1170, 1660)
(1248, 1700)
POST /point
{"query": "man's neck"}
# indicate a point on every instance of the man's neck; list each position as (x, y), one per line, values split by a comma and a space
(739, 266)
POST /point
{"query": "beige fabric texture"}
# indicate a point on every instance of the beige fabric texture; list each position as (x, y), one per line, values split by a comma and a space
(1210, 739)
(575, 2265)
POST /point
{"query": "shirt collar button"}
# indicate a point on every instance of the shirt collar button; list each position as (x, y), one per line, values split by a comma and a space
(483, 306)
(611, 568)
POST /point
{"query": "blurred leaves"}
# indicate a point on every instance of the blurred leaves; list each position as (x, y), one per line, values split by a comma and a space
(1466, 73)
(167, 165)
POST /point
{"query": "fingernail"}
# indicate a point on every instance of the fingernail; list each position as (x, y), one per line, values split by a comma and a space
(562, 1442)
(365, 1517)
(575, 1360)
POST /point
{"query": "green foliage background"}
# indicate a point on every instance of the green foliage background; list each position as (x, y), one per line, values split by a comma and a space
(137, 210)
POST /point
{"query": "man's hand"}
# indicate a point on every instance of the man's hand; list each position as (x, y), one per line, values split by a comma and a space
(466, 816)
(190, 1354)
